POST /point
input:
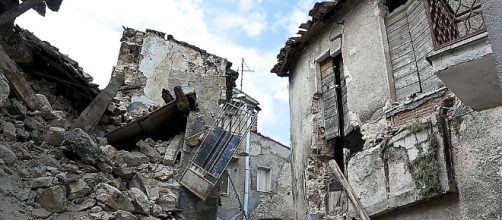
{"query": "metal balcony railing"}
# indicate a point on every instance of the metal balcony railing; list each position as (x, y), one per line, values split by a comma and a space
(451, 21)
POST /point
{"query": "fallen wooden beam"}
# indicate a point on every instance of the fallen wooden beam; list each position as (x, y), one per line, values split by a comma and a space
(165, 122)
(18, 82)
(13, 13)
(90, 117)
(348, 189)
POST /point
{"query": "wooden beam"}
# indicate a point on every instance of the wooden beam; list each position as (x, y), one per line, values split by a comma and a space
(348, 189)
(90, 117)
(181, 100)
(13, 13)
(18, 82)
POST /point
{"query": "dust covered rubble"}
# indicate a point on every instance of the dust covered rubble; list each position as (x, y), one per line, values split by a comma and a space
(50, 171)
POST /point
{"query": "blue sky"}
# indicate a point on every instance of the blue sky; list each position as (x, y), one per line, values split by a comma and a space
(89, 32)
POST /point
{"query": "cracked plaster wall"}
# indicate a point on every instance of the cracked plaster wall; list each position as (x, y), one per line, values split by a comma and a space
(150, 62)
(477, 151)
(277, 204)
(364, 70)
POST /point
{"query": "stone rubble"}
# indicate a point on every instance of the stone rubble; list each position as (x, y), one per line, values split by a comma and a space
(50, 171)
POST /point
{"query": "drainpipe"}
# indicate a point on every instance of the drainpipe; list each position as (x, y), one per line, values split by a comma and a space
(247, 172)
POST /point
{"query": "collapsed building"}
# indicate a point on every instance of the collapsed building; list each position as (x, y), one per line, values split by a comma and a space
(71, 151)
(403, 98)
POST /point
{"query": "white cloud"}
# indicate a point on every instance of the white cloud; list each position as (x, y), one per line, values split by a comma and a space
(90, 31)
(252, 23)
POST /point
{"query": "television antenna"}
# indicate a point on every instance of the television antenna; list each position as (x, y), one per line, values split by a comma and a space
(244, 64)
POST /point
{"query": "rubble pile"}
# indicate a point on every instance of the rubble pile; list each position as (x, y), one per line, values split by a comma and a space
(49, 170)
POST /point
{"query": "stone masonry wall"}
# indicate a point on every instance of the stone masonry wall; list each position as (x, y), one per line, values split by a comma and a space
(276, 204)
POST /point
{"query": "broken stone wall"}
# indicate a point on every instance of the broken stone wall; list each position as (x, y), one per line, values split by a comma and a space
(276, 204)
(365, 75)
(411, 153)
(150, 62)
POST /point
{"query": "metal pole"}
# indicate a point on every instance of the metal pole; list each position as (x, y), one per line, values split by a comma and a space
(248, 172)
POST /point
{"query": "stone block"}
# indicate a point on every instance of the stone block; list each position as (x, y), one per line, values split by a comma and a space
(53, 199)
(7, 155)
(112, 199)
(55, 136)
(149, 151)
(9, 131)
(78, 189)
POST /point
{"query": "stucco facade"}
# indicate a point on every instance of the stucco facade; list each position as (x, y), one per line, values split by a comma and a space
(425, 154)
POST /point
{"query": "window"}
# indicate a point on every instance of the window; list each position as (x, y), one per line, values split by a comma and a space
(224, 184)
(263, 180)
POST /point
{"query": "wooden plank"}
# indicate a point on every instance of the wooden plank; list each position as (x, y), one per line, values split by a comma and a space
(396, 26)
(406, 91)
(348, 189)
(404, 71)
(393, 18)
(18, 82)
(407, 80)
(91, 115)
(403, 60)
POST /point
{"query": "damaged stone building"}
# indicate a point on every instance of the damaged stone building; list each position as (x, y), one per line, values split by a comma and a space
(69, 150)
(403, 96)
(264, 191)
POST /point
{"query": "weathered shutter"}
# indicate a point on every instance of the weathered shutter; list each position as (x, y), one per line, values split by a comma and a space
(409, 42)
(329, 99)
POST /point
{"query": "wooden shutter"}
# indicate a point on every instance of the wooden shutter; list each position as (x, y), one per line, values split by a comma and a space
(329, 99)
(409, 42)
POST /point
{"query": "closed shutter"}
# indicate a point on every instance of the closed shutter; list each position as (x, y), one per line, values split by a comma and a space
(334, 98)
(329, 99)
(409, 42)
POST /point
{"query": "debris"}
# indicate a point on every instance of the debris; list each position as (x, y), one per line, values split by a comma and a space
(164, 123)
(40, 213)
(9, 131)
(80, 143)
(55, 136)
(90, 117)
(53, 199)
(172, 150)
(111, 199)
(17, 81)
(42, 182)
(4, 89)
(140, 201)
(7, 155)
(132, 159)
(149, 151)
(78, 189)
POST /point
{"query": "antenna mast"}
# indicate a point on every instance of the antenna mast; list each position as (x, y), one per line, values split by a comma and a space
(243, 63)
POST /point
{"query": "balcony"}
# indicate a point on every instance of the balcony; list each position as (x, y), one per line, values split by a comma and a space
(462, 56)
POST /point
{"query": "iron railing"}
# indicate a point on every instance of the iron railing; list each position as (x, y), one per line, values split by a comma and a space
(451, 21)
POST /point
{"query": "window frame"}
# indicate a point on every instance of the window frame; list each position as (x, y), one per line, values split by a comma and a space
(268, 179)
